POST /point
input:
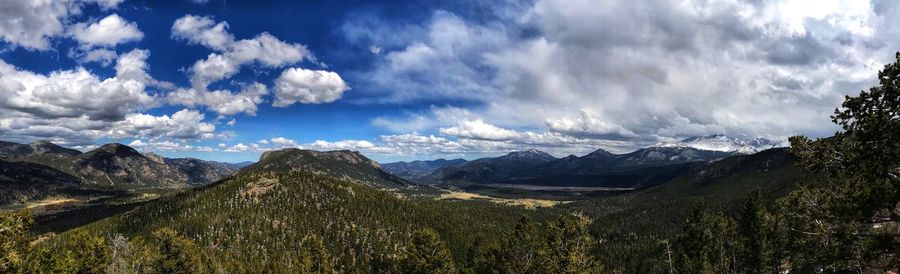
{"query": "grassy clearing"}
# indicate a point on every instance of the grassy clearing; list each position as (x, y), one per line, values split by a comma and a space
(528, 203)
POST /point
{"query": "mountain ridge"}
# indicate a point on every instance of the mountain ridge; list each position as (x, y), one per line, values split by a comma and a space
(114, 165)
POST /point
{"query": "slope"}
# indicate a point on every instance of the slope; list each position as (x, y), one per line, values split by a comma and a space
(634, 223)
(343, 164)
(416, 170)
(259, 218)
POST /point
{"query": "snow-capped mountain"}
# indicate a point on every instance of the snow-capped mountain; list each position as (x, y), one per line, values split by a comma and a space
(724, 143)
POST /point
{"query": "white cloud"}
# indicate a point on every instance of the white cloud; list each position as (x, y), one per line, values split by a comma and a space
(221, 101)
(264, 49)
(30, 24)
(478, 129)
(283, 142)
(71, 93)
(308, 87)
(166, 145)
(203, 31)
(107, 4)
(184, 124)
(133, 66)
(108, 32)
(240, 147)
(339, 145)
(589, 125)
(103, 56)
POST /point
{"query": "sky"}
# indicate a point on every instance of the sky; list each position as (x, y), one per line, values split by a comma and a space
(403, 80)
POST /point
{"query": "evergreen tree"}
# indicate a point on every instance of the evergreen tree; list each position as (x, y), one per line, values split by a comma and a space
(14, 239)
(524, 249)
(484, 257)
(756, 234)
(426, 253)
(316, 257)
(849, 221)
(707, 243)
(571, 246)
(167, 252)
(89, 252)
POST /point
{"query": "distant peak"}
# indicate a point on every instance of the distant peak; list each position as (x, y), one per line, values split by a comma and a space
(530, 151)
(724, 143)
(44, 146)
(42, 143)
(118, 149)
(600, 152)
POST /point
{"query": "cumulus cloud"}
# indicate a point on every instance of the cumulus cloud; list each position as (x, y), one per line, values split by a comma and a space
(478, 129)
(106, 4)
(264, 50)
(221, 101)
(294, 84)
(184, 124)
(103, 56)
(589, 125)
(308, 87)
(71, 93)
(167, 145)
(203, 31)
(31, 24)
(77, 107)
(240, 147)
(281, 141)
(108, 32)
(643, 70)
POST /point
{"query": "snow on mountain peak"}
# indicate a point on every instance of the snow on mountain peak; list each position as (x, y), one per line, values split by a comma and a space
(719, 142)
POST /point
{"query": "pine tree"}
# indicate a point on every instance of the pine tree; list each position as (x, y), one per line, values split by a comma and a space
(427, 253)
(167, 252)
(524, 249)
(756, 233)
(707, 243)
(484, 257)
(571, 246)
(89, 252)
(316, 257)
(850, 220)
(14, 239)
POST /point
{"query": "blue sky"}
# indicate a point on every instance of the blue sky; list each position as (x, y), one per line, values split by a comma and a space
(402, 80)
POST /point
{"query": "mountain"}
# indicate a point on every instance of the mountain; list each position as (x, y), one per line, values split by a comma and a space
(342, 164)
(417, 170)
(294, 200)
(722, 143)
(239, 165)
(200, 172)
(22, 181)
(121, 165)
(642, 168)
(490, 170)
(655, 156)
(42, 164)
(36, 149)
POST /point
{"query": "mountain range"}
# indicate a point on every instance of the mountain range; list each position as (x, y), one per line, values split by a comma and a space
(722, 143)
(347, 202)
(41, 169)
(642, 168)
